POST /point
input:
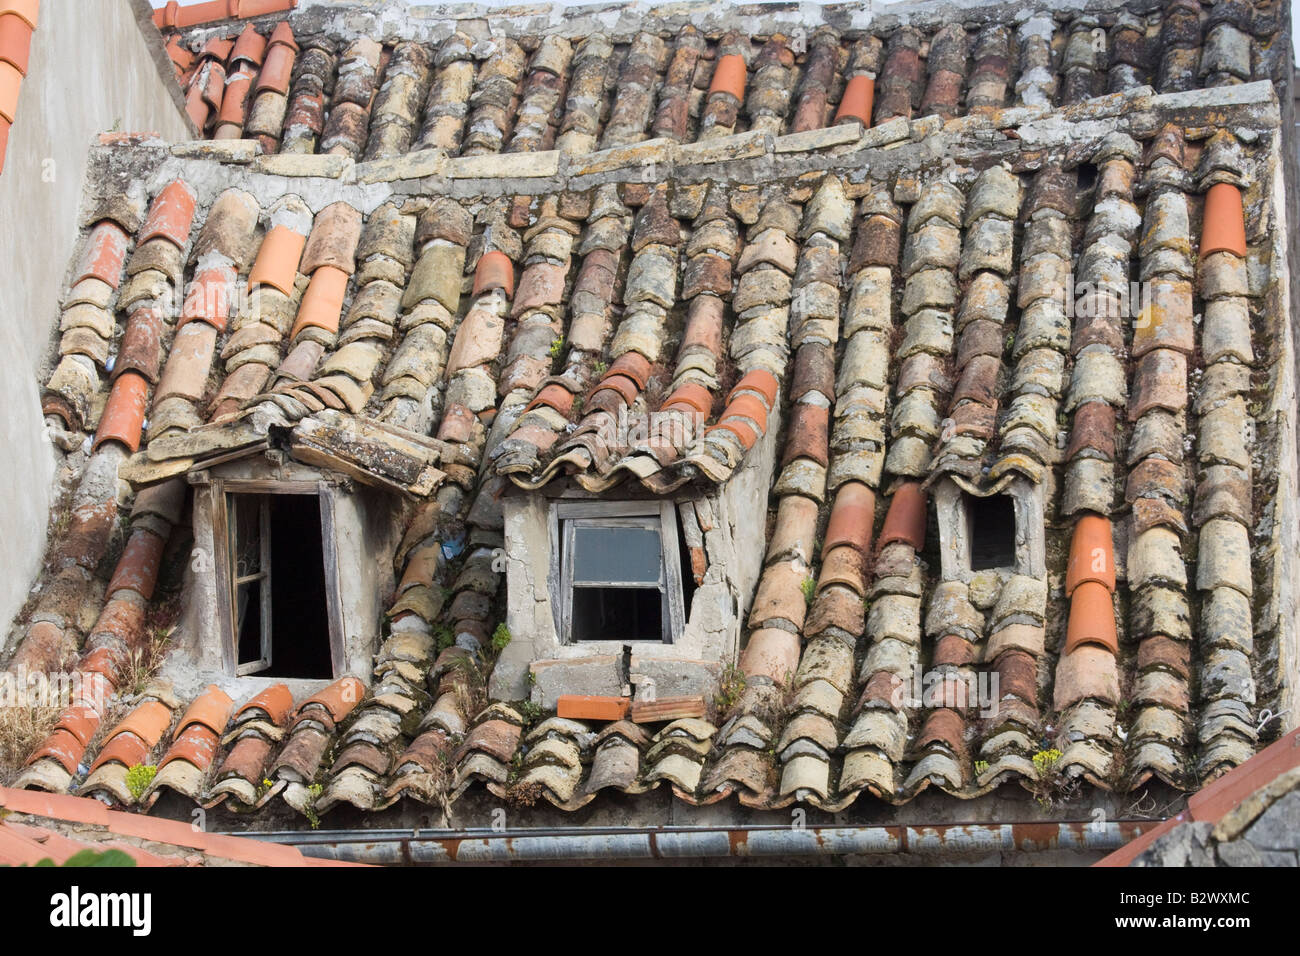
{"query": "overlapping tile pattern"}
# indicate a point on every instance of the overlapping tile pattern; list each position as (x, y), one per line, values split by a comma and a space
(18, 19)
(889, 329)
(356, 97)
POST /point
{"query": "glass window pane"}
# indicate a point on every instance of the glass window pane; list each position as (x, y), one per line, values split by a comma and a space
(611, 553)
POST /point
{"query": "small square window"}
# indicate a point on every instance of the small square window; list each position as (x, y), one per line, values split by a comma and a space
(272, 569)
(620, 572)
(992, 526)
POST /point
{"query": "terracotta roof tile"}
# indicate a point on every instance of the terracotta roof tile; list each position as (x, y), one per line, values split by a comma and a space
(1224, 228)
(275, 702)
(124, 748)
(322, 303)
(61, 746)
(211, 709)
(906, 517)
(123, 418)
(587, 707)
(250, 46)
(852, 518)
(15, 41)
(338, 699)
(11, 80)
(1091, 554)
(278, 259)
(138, 567)
(197, 745)
(103, 254)
(1092, 617)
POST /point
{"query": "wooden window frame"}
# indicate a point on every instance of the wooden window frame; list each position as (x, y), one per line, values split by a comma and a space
(566, 516)
(227, 583)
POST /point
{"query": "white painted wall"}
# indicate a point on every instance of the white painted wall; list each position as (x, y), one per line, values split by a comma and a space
(91, 69)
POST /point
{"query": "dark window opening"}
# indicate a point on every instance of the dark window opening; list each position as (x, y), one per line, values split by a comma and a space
(992, 526)
(279, 608)
(1087, 176)
(617, 614)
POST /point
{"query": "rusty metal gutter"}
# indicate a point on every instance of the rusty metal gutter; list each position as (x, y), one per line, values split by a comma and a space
(404, 847)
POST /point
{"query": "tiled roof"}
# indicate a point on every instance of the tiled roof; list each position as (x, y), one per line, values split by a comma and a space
(38, 826)
(17, 24)
(474, 302)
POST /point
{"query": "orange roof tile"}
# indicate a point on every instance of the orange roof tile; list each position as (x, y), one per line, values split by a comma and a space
(277, 68)
(90, 812)
(137, 569)
(1092, 554)
(63, 747)
(102, 255)
(123, 418)
(1223, 227)
(322, 303)
(905, 519)
(338, 698)
(729, 76)
(15, 41)
(746, 406)
(188, 363)
(277, 259)
(196, 744)
(176, 15)
(81, 722)
(494, 271)
(170, 214)
(250, 46)
(124, 748)
(858, 97)
(852, 518)
(211, 709)
(1092, 618)
(210, 296)
(759, 380)
(697, 398)
(275, 701)
(148, 721)
(589, 707)
(28, 10)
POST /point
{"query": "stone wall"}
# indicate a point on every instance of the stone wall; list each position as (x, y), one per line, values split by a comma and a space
(1264, 830)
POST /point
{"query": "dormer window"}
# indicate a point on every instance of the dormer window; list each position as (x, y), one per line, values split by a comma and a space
(272, 567)
(620, 572)
(1002, 531)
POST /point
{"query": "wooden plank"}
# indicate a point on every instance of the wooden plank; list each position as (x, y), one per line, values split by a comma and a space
(666, 708)
(333, 589)
(270, 486)
(670, 549)
(606, 509)
(225, 587)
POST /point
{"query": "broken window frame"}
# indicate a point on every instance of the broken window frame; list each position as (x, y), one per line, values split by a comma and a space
(222, 490)
(567, 516)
